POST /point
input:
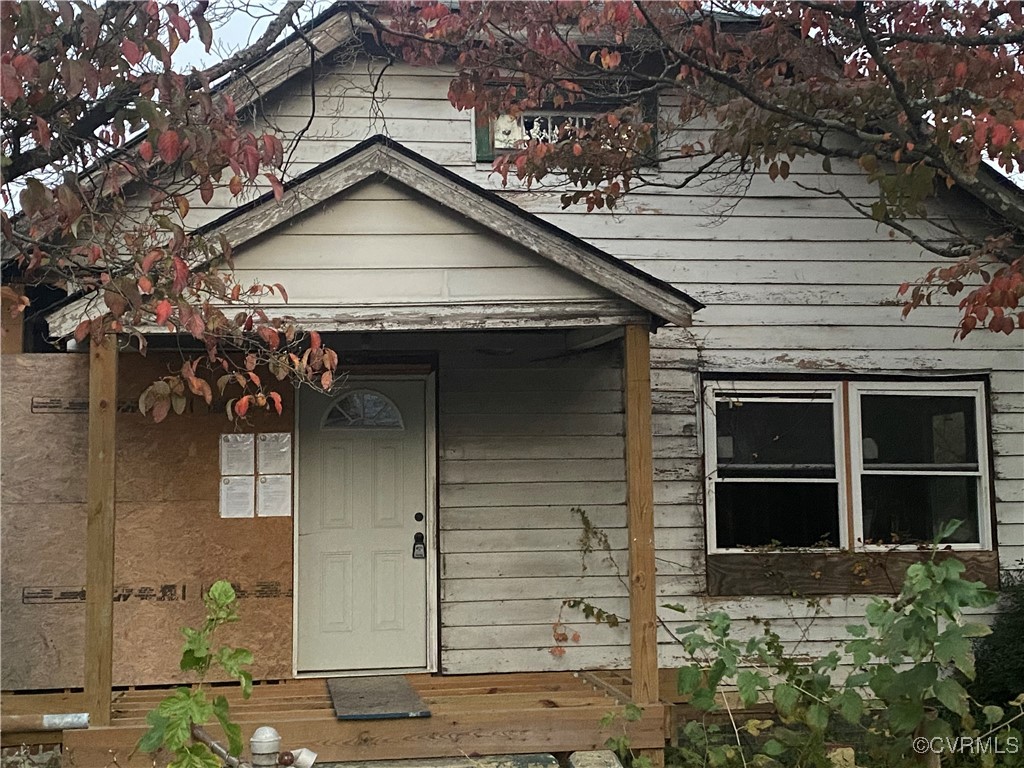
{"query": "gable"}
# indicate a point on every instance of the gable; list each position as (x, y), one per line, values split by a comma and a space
(527, 273)
(382, 244)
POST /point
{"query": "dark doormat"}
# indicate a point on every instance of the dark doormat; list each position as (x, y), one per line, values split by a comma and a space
(382, 697)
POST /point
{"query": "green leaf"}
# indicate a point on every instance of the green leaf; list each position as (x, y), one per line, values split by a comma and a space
(951, 695)
(993, 714)
(750, 683)
(975, 630)
(816, 717)
(786, 698)
(773, 748)
(905, 715)
(632, 712)
(857, 630)
(850, 705)
(221, 594)
(153, 739)
(950, 526)
(231, 729)
(953, 648)
(195, 756)
(689, 679)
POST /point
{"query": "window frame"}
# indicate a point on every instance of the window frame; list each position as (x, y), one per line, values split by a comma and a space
(975, 389)
(716, 389)
(848, 436)
(483, 134)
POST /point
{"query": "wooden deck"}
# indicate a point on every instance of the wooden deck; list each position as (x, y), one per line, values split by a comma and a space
(514, 713)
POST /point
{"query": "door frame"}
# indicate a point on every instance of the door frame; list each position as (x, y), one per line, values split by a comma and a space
(433, 593)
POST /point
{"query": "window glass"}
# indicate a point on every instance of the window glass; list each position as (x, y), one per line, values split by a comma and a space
(788, 439)
(912, 509)
(363, 408)
(776, 482)
(926, 431)
(777, 514)
(779, 475)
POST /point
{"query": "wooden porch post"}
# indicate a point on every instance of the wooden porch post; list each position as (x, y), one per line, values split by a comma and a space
(643, 625)
(99, 536)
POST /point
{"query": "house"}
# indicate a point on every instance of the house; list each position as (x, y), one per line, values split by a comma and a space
(736, 405)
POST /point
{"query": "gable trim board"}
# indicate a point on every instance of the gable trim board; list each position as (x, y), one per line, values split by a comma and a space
(382, 157)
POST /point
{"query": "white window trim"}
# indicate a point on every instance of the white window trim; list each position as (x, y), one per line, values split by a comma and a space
(852, 416)
(975, 389)
(716, 389)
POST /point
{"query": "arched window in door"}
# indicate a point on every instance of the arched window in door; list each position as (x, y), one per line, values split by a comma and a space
(363, 409)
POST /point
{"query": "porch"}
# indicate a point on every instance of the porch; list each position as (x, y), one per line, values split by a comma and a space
(514, 713)
(532, 352)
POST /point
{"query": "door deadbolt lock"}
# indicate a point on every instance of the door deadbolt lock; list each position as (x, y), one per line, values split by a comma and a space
(419, 548)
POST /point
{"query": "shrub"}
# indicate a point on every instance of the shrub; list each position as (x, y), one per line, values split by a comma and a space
(999, 657)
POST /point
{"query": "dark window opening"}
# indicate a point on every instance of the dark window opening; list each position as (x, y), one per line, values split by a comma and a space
(777, 515)
(913, 509)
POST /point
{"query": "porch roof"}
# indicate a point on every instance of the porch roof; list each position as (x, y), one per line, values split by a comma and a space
(596, 287)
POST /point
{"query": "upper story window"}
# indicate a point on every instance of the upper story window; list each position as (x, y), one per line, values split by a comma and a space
(507, 133)
(840, 465)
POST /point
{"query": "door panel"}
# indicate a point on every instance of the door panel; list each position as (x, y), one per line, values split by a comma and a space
(362, 598)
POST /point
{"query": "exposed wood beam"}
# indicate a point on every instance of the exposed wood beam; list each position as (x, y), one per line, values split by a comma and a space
(643, 626)
(99, 536)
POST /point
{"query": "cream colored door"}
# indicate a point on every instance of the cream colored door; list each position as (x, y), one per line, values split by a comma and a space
(362, 504)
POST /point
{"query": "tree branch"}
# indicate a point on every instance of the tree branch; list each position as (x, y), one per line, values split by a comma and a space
(104, 110)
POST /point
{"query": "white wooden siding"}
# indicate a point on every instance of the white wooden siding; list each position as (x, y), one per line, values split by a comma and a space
(521, 444)
(795, 283)
(384, 245)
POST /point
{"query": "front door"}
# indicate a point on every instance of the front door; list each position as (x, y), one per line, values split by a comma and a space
(363, 542)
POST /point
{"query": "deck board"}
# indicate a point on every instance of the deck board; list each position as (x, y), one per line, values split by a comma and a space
(511, 713)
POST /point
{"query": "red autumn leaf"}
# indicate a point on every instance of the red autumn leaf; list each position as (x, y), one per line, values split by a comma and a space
(169, 146)
(270, 336)
(181, 27)
(163, 311)
(146, 151)
(132, 52)
(206, 190)
(1000, 136)
(180, 275)
(276, 185)
(235, 185)
(242, 406)
(82, 331)
(151, 258)
(275, 397)
(145, 285)
(161, 407)
(43, 132)
(314, 340)
(10, 84)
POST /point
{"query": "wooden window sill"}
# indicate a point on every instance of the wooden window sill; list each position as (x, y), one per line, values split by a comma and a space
(831, 573)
